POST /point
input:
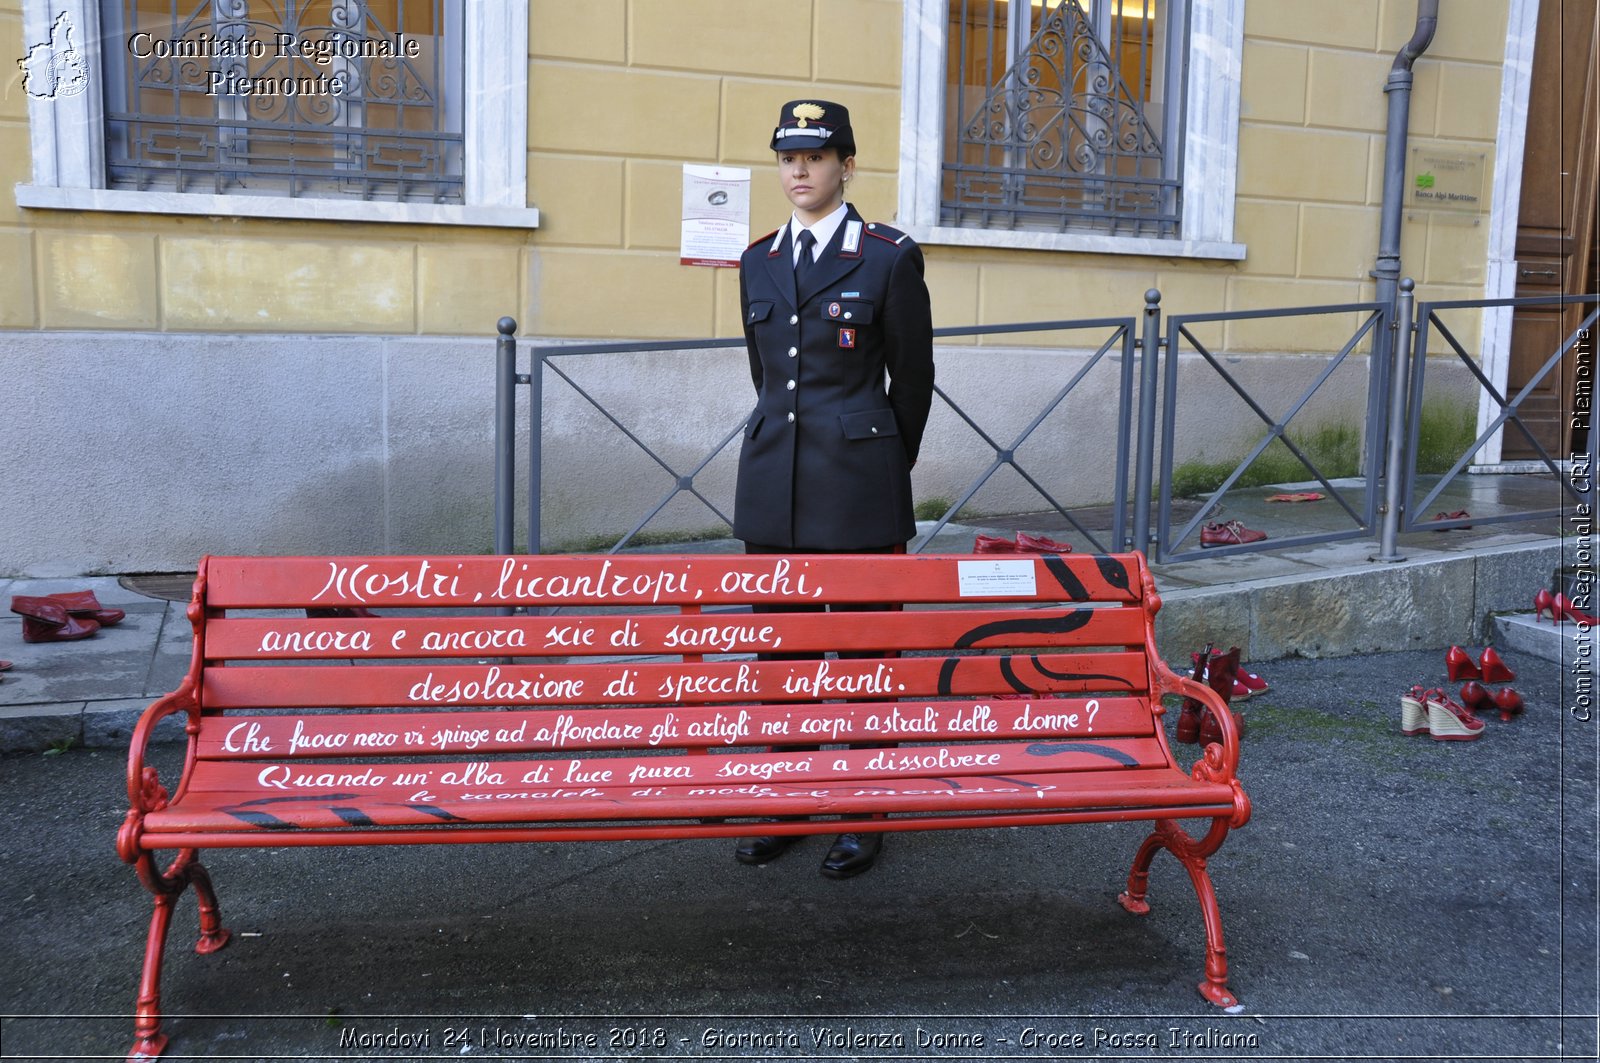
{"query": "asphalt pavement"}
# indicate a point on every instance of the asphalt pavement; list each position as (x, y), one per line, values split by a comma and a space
(1391, 898)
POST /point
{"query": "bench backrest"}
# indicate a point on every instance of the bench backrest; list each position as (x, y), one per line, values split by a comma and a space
(653, 653)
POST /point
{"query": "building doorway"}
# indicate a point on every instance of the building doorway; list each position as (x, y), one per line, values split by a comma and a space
(1557, 220)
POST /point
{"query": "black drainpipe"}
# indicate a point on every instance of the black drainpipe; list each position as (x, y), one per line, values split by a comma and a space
(1398, 89)
(1388, 362)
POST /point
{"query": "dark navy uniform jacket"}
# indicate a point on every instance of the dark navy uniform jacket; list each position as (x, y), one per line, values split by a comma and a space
(844, 380)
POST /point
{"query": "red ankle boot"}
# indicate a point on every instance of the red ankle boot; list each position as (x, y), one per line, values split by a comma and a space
(1193, 713)
(1221, 670)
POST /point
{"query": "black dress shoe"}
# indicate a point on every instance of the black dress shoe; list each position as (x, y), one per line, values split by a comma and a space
(851, 854)
(760, 850)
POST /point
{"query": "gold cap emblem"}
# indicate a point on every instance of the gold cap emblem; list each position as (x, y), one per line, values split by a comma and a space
(807, 112)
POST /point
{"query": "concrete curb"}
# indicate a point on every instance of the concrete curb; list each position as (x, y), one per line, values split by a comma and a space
(1438, 600)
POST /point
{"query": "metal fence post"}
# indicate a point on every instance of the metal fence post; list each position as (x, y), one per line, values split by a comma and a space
(535, 446)
(1150, 347)
(505, 436)
(1400, 342)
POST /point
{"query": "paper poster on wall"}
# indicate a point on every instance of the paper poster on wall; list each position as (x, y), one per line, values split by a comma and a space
(716, 215)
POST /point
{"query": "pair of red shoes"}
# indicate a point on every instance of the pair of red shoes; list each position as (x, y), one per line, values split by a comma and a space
(63, 617)
(1223, 673)
(1432, 712)
(1025, 543)
(1490, 669)
(1560, 608)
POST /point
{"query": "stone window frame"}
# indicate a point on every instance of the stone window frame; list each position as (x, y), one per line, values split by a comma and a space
(1211, 143)
(67, 138)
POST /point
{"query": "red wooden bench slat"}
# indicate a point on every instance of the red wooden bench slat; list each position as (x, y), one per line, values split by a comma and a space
(257, 638)
(248, 810)
(605, 683)
(645, 579)
(237, 736)
(789, 767)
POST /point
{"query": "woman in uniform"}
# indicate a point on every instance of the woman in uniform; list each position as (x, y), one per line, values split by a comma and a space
(840, 338)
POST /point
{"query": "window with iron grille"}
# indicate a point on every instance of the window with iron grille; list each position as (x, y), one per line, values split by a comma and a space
(357, 98)
(1064, 116)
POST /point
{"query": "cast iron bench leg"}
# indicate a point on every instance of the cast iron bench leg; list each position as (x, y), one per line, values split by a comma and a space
(148, 1040)
(1192, 854)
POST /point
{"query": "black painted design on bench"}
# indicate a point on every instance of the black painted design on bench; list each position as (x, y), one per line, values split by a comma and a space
(1010, 676)
(353, 817)
(247, 812)
(1045, 625)
(1050, 749)
(438, 813)
(1114, 572)
(259, 819)
(1063, 574)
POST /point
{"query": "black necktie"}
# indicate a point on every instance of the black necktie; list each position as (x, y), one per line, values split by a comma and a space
(803, 264)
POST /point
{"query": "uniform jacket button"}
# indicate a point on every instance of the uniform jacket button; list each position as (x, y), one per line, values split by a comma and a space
(794, 319)
(791, 418)
(791, 388)
(794, 352)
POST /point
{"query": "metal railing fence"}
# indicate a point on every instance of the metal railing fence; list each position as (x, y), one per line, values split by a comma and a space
(1580, 489)
(1180, 327)
(1144, 448)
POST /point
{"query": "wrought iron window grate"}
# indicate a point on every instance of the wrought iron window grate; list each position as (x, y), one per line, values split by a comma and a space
(286, 97)
(1064, 115)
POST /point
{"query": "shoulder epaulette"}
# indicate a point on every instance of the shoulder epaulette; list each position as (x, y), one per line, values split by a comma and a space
(759, 239)
(886, 232)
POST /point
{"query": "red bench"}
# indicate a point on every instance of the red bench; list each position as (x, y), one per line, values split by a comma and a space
(635, 710)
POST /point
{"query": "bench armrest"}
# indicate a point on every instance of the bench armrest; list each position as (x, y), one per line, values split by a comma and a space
(145, 792)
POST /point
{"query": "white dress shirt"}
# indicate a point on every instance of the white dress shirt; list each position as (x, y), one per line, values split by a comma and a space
(822, 230)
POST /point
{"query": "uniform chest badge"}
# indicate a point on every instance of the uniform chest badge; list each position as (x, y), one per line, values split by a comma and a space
(834, 309)
(847, 338)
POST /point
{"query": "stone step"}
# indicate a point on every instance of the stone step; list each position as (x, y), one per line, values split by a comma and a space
(1565, 644)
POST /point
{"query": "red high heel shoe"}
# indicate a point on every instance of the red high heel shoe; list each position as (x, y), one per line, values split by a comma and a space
(46, 621)
(1544, 602)
(1460, 665)
(1449, 722)
(1493, 668)
(1509, 702)
(1476, 696)
(1563, 609)
(85, 604)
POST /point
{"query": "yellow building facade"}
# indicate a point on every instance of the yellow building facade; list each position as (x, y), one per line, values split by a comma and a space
(579, 237)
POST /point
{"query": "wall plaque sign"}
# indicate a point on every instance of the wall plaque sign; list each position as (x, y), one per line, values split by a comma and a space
(1443, 180)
